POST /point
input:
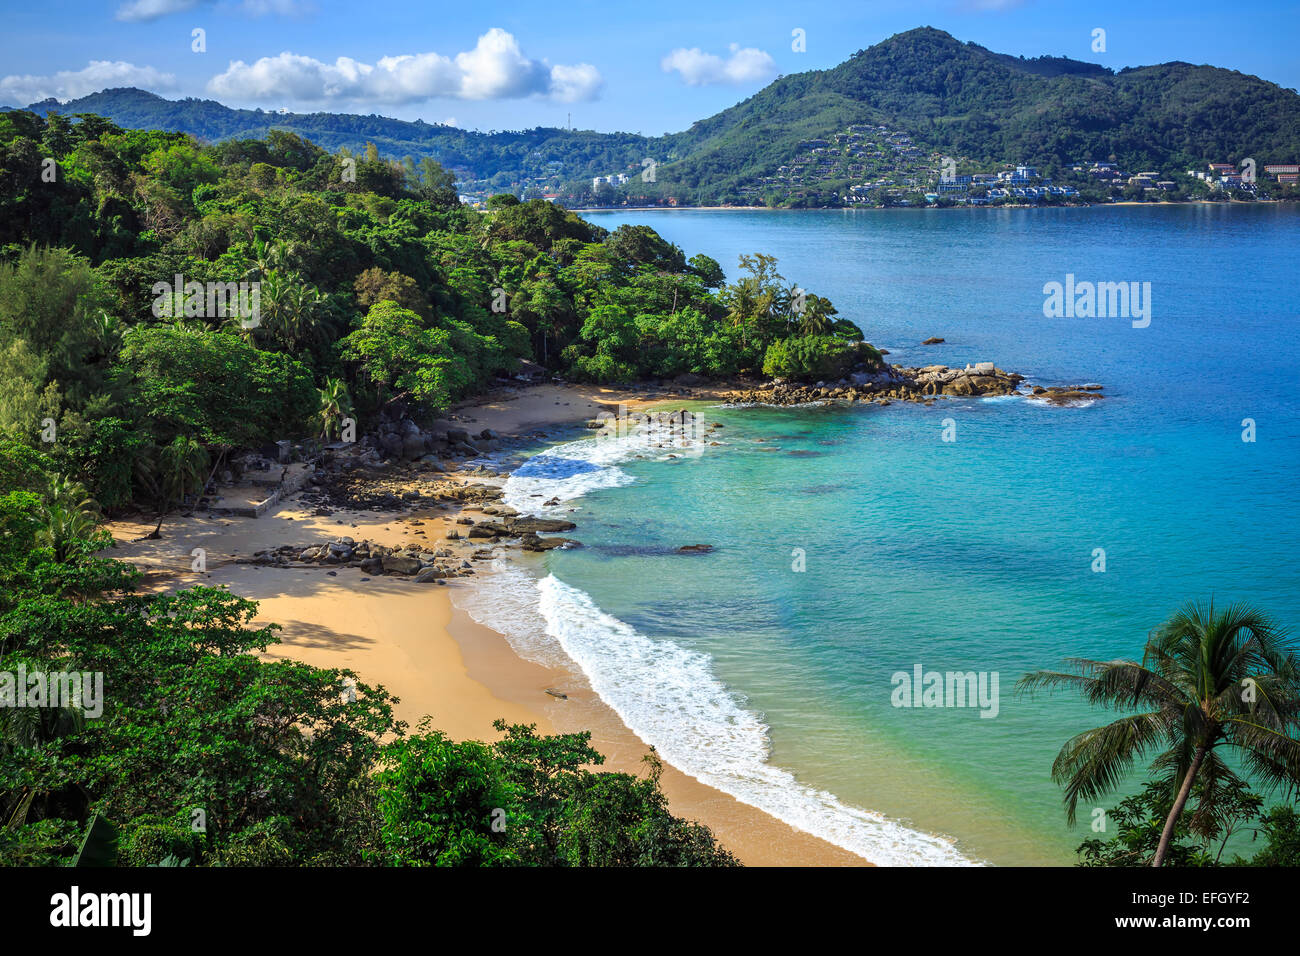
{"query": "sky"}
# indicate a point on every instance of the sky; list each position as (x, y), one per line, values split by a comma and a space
(649, 67)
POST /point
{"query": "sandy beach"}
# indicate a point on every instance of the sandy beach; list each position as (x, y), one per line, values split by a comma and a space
(412, 638)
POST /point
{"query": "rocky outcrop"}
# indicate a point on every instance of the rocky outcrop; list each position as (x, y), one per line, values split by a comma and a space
(413, 561)
(1067, 394)
(532, 542)
(898, 383)
(519, 527)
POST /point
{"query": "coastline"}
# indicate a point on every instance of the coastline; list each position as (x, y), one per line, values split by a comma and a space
(927, 207)
(432, 655)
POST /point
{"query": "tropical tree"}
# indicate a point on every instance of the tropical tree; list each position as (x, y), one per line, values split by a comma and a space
(184, 467)
(335, 403)
(1213, 681)
(68, 517)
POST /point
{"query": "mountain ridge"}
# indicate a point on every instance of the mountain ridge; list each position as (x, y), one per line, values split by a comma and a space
(949, 96)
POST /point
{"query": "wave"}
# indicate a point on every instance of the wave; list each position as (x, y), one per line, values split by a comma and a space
(576, 468)
(667, 694)
(670, 698)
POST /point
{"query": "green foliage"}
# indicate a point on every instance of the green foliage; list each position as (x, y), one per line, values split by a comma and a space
(433, 363)
(1138, 821)
(1214, 680)
(213, 386)
(809, 358)
(528, 800)
(438, 799)
(99, 846)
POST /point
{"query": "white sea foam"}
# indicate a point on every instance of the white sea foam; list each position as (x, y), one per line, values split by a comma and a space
(576, 468)
(506, 601)
(669, 697)
(667, 694)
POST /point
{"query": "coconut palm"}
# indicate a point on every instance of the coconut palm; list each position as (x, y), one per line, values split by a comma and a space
(743, 307)
(63, 527)
(334, 404)
(184, 467)
(68, 516)
(817, 316)
(1213, 681)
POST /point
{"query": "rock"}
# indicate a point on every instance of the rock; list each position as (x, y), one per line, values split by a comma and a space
(455, 435)
(531, 542)
(414, 446)
(400, 564)
(429, 574)
(933, 340)
(695, 549)
(543, 525)
(557, 693)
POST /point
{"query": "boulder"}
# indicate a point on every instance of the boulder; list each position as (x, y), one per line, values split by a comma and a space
(531, 542)
(413, 446)
(543, 525)
(400, 564)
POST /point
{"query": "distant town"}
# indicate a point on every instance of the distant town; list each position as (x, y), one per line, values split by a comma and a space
(874, 166)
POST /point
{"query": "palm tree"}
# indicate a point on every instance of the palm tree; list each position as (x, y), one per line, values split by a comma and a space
(334, 404)
(68, 516)
(1212, 680)
(184, 464)
(817, 315)
(743, 307)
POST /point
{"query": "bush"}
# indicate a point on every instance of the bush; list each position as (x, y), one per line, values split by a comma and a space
(148, 842)
(810, 358)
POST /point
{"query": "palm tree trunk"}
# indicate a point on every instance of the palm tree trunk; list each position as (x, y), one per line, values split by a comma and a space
(1183, 793)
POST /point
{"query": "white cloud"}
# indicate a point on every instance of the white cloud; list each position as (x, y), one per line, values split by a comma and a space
(570, 84)
(495, 69)
(142, 10)
(70, 84)
(698, 68)
(152, 9)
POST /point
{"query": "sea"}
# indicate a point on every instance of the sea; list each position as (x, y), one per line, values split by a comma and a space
(845, 655)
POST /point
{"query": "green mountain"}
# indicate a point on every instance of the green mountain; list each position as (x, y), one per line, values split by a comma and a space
(498, 159)
(964, 100)
(951, 98)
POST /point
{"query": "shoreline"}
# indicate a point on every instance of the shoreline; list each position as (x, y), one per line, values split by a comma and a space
(927, 207)
(432, 655)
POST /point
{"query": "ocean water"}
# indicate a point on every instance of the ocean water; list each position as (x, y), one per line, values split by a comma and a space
(854, 544)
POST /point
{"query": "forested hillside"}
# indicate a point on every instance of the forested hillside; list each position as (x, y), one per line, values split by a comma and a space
(950, 97)
(164, 303)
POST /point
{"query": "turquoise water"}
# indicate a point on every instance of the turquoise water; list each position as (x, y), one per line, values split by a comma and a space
(971, 555)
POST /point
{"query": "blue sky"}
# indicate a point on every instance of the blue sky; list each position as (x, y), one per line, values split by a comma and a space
(646, 67)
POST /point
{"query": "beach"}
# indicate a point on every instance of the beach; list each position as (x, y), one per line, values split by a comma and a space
(415, 641)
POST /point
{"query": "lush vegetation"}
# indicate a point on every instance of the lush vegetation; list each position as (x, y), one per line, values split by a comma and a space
(195, 750)
(137, 355)
(1216, 696)
(134, 362)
